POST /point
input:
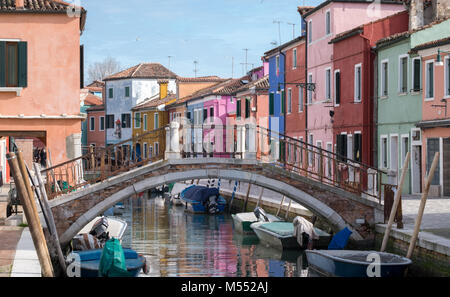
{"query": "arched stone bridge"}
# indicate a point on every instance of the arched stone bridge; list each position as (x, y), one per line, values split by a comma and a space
(339, 207)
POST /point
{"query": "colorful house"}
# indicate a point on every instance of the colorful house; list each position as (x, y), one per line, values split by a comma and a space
(87, 100)
(324, 22)
(126, 89)
(96, 126)
(431, 46)
(353, 76)
(148, 116)
(40, 78)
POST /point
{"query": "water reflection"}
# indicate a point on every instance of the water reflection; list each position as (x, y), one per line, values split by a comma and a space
(177, 243)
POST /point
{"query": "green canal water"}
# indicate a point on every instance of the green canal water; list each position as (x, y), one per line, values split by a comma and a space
(177, 243)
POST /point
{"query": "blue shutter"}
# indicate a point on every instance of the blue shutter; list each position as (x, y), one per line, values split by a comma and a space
(2, 63)
(23, 64)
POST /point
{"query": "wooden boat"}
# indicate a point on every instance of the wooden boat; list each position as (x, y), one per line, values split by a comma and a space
(243, 220)
(348, 263)
(175, 193)
(200, 199)
(281, 235)
(90, 261)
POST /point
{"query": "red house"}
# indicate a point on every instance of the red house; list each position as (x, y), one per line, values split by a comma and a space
(353, 94)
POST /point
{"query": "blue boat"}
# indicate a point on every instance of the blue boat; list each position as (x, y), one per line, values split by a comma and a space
(348, 263)
(200, 199)
(90, 262)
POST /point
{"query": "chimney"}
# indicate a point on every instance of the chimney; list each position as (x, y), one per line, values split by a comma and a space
(19, 4)
(416, 17)
(163, 85)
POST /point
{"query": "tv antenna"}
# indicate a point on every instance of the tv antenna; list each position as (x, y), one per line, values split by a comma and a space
(293, 29)
(279, 29)
(195, 68)
(169, 60)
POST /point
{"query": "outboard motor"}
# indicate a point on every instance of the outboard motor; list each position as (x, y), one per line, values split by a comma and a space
(100, 229)
(212, 204)
(261, 215)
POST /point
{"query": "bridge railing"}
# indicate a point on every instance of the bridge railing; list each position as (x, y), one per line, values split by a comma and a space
(100, 163)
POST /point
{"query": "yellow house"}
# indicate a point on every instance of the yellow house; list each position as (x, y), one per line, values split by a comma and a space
(149, 120)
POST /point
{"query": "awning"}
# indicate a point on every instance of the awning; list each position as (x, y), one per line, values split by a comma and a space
(433, 124)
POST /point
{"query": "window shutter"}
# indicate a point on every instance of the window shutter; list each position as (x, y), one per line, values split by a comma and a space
(2, 63)
(23, 64)
(338, 88)
(283, 101)
(271, 105)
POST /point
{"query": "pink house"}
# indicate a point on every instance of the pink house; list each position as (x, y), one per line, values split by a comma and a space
(323, 23)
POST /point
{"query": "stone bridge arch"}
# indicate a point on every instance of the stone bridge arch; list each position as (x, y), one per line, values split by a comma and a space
(340, 208)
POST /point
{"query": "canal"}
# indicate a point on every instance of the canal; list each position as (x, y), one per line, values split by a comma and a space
(177, 243)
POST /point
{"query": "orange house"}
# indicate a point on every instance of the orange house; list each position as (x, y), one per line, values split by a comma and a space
(40, 76)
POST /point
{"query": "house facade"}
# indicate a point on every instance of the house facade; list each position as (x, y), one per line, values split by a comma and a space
(128, 88)
(40, 78)
(96, 126)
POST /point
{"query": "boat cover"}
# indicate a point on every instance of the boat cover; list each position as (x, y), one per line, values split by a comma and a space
(199, 193)
(112, 261)
(280, 228)
(340, 239)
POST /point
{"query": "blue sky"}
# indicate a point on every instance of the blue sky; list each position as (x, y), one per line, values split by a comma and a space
(208, 31)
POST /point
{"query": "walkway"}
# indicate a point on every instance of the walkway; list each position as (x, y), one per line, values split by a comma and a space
(9, 237)
(26, 262)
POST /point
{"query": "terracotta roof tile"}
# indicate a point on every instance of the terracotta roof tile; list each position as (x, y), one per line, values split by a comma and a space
(91, 99)
(96, 108)
(431, 44)
(201, 79)
(304, 9)
(154, 102)
(260, 84)
(144, 70)
(35, 5)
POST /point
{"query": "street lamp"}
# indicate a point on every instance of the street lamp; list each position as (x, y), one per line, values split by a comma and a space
(439, 61)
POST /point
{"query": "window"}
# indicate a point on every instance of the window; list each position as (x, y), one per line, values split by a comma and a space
(328, 84)
(247, 108)
(205, 115)
(300, 99)
(350, 146)
(283, 102)
(289, 101)
(110, 93)
(156, 146)
(155, 121)
(405, 148)
(188, 115)
(102, 123)
(150, 152)
(211, 114)
(145, 122)
(403, 74)
(429, 79)
(328, 22)
(277, 61)
(447, 76)
(416, 74)
(13, 64)
(432, 148)
(384, 78)
(310, 29)
(271, 104)
(137, 120)
(109, 121)
(384, 151)
(310, 148)
(127, 91)
(357, 147)
(341, 146)
(337, 87)
(91, 124)
(393, 152)
(145, 150)
(358, 83)
(301, 144)
(238, 108)
(294, 58)
(126, 120)
(309, 98)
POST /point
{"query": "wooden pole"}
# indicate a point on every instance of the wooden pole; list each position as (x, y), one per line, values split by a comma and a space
(398, 195)
(51, 220)
(288, 209)
(32, 217)
(423, 201)
(281, 204)
(260, 197)
(246, 198)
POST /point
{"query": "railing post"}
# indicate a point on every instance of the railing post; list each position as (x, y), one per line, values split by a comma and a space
(167, 142)
(240, 139)
(251, 154)
(174, 143)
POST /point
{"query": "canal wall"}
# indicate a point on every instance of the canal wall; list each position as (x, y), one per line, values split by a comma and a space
(431, 256)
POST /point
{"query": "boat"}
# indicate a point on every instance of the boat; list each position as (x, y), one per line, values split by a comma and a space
(200, 199)
(90, 262)
(175, 194)
(281, 235)
(351, 263)
(243, 220)
(115, 227)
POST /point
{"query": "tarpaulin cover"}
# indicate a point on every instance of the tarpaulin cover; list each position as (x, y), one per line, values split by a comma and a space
(340, 239)
(199, 193)
(112, 261)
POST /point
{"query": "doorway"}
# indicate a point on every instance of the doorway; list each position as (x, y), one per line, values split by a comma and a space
(446, 166)
(416, 172)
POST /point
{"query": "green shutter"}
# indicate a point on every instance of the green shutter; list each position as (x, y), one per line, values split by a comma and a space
(271, 105)
(2, 63)
(23, 64)
(283, 101)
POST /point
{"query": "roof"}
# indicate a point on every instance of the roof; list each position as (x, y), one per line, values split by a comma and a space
(304, 9)
(96, 84)
(284, 45)
(143, 70)
(200, 79)
(154, 102)
(325, 3)
(100, 107)
(259, 84)
(431, 44)
(41, 6)
(91, 99)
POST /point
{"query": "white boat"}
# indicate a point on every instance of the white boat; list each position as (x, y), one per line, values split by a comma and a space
(243, 220)
(116, 227)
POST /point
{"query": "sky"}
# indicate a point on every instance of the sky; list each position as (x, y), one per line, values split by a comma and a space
(211, 32)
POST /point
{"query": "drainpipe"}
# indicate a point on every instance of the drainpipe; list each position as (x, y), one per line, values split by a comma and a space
(285, 106)
(305, 95)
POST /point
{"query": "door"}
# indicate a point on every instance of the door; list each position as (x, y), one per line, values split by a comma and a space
(416, 172)
(446, 165)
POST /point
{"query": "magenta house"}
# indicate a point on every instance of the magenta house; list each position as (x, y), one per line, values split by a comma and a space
(323, 23)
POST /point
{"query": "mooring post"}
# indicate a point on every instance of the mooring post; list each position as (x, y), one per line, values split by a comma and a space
(232, 195)
(260, 197)
(246, 197)
(281, 204)
(32, 217)
(288, 209)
